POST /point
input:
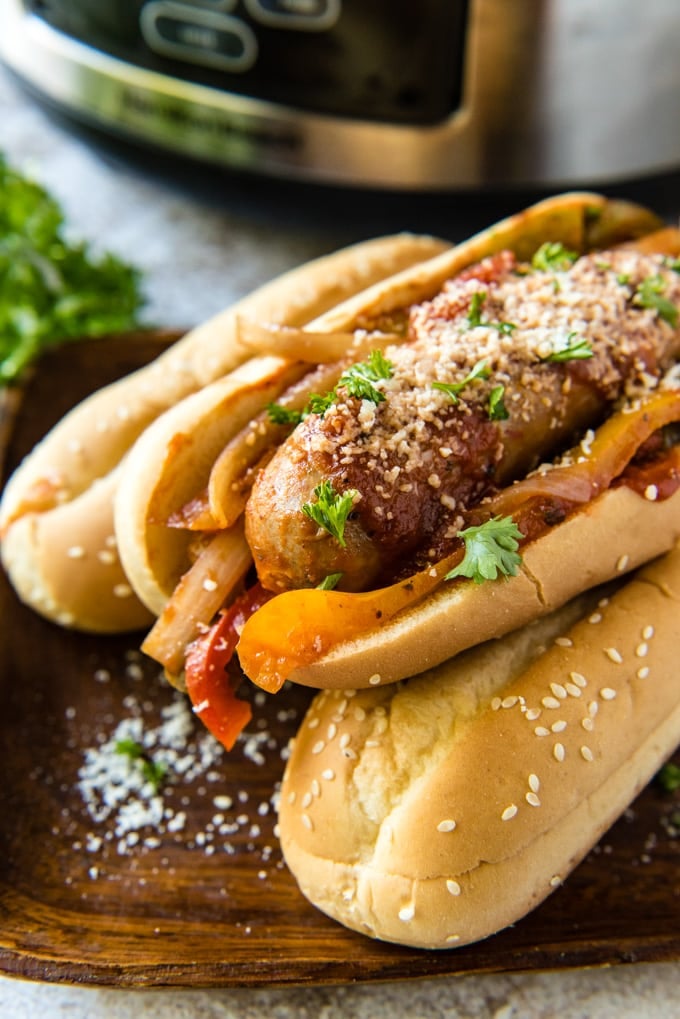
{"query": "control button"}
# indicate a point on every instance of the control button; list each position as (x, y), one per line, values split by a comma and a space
(309, 15)
(198, 36)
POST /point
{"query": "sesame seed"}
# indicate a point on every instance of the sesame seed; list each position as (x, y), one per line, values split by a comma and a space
(587, 754)
(452, 887)
(643, 672)
(446, 825)
(307, 822)
(641, 650)
(328, 774)
(550, 702)
(564, 642)
(607, 694)
(614, 655)
(375, 680)
(648, 632)
(452, 938)
(534, 783)
(332, 731)
(555, 881)
(509, 702)
(496, 703)
(532, 714)
(359, 713)
(532, 799)
(209, 584)
(651, 493)
(407, 913)
(593, 708)
(588, 724)
(122, 591)
(75, 552)
(307, 800)
(509, 812)
(345, 740)
(578, 679)
(318, 747)
(622, 563)
(559, 752)
(558, 690)
(541, 730)
(572, 689)
(559, 726)
(596, 617)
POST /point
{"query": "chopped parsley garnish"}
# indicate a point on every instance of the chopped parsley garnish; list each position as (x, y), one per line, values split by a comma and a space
(553, 257)
(51, 289)
(650, 294)
(672, 263)
(330, 582)
(490, 549)
(497, 409)
(153, 771)
(360, 378)
(280, 415)
(331, 509)
(474, 315)
(570, 348)
(669, 777)
(357, 380)
(479, 370)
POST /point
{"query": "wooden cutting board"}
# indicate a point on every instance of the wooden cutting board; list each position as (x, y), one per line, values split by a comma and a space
(91, 893)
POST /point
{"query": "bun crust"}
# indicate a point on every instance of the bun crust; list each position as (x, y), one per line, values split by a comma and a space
(437, 811)
(76, 464)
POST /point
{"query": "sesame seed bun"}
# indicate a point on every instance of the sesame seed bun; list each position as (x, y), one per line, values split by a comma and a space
(437, 811)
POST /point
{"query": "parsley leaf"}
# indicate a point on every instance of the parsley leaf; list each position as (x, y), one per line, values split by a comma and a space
(359, 378)
(570, 349)
(649, 294)
(479, 370)
(490, 549)
(153, 771)
(280, 415)
(330, 582)
(52, 290)
(669, 777)
(553, 257)
(497, 409)
(331, 509)
(474, 315)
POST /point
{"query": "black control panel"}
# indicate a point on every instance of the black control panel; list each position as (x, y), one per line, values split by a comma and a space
(383, 60)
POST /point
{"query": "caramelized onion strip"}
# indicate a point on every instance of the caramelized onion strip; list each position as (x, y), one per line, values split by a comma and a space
(298, 344)
(205, 587)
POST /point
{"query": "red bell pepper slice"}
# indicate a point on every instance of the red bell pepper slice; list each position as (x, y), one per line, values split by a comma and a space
(211, 689)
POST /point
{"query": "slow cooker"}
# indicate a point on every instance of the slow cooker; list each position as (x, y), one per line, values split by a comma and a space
(439, 94)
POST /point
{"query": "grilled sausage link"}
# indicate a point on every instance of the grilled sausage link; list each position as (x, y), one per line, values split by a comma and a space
(502, 369)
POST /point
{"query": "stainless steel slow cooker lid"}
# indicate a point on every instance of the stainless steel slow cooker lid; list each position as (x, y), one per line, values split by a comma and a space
(557, 92)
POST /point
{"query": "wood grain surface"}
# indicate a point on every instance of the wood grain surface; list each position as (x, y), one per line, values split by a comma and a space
(206, 901)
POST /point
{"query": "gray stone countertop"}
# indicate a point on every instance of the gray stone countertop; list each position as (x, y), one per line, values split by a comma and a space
(202, 240)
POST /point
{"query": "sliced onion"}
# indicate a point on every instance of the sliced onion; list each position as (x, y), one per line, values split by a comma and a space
(303, 345)
(204, 588)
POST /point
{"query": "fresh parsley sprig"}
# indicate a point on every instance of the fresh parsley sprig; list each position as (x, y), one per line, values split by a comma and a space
(331, 509)
(552, 256)
(570, 348)
(490, 549)
(480, 370)
(51, 289)
(650, 294)
(154, 772)
(359, 380)
(474, 315)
